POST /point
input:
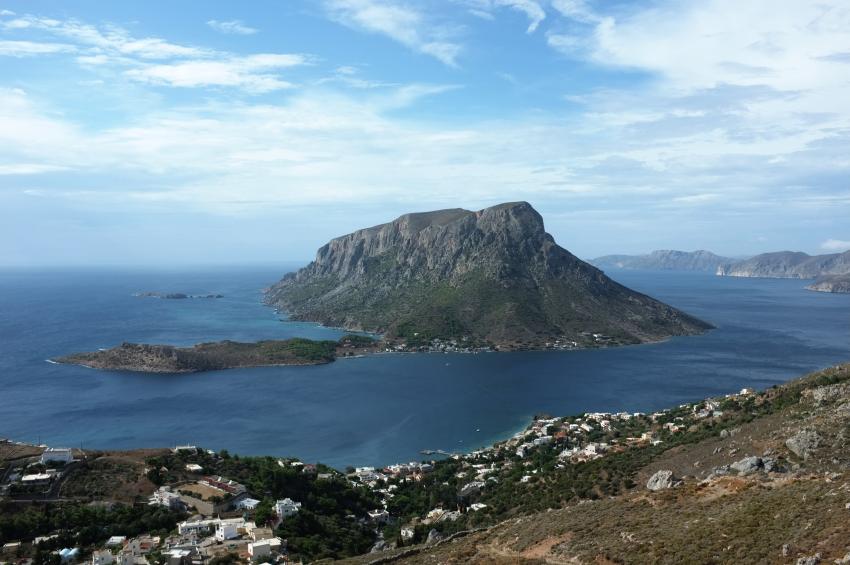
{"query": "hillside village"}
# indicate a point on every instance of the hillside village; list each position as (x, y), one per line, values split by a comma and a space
(219, 508)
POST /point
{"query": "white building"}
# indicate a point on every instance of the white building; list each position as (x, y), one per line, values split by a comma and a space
(247, 504)
(102, 557)
(57, 455)
(263, 548)
(164, 497)
(286, 508)
(379, 516)
(225, 531)
(194, 468)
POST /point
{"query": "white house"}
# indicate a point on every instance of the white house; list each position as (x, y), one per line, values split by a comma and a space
(263, 548)
(379, 516)
(286, 508)
(102, 557)
(225, 531)
(57, 455)
(247, 504)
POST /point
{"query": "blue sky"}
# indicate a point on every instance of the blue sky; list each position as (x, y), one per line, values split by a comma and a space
(175, 133)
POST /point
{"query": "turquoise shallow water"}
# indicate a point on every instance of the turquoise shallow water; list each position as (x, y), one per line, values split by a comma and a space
(372, 410)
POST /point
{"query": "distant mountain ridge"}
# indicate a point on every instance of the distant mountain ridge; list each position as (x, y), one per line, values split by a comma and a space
(789, 265)
(493, 275)
(666, 260)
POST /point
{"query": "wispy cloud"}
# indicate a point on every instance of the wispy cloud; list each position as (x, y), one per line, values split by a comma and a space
(400, 22)
(232, 27)
(835, 245)
(485, 9)
(111, 40)
(30, 48)
(153, 60)
(249, 73)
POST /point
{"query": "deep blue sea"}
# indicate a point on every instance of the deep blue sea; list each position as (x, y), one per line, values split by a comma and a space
(373, 410)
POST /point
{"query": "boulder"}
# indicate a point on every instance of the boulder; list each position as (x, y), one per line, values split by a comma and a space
(810, 560)
(771, 465)
(803, 443)
(379, 546)
(747, 465)
(830, 393)
(433, 537)
(661, 480)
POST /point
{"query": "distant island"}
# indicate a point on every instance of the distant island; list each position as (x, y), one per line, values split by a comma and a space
(789, 265)
(220, 355)
(175, 295)
(665, 260)
(492, 277)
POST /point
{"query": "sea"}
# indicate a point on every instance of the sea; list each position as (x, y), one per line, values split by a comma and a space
(373, 410)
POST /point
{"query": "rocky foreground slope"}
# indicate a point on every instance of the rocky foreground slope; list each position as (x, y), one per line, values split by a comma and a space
(765, 478)
(493, 276)
(789, 265)
(665, 260)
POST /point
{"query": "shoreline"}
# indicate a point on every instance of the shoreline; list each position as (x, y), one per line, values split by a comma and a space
(492, 443)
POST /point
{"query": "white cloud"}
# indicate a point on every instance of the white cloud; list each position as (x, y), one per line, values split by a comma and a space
(248, 72)
(153, 60)
(485, 9)
(29, 48)
(531, 9)
(28, 169)
(835, 245)
(785, 46)
(575, 9)
(7, 13)
(399, 22)
(232, 27)
(110, 40)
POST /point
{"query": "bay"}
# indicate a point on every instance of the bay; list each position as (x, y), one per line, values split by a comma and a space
(373, 410)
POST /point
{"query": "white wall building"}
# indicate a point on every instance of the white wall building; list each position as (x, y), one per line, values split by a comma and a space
(225, 531)
(57, 455)
(286, 508)
(102, 557)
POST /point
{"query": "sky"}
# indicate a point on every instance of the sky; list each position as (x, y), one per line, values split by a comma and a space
(181, 133)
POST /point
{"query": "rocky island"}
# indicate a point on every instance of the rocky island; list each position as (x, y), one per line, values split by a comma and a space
(832, 283)
(175, 295)
(664, 260)
(491, 277)
(219, 355)
(789, 265)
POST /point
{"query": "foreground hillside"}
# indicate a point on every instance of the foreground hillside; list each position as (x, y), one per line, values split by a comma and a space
(488, 277)
(763, 478)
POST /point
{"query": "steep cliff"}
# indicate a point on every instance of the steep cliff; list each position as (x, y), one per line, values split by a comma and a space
(789, 265)
(664, 260)
(494, 275)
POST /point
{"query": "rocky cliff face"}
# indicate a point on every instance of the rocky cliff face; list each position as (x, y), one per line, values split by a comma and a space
(665, 260)
(789, 265)
(492, 275)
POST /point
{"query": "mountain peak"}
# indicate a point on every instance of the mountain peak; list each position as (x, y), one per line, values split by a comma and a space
(493, 275)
